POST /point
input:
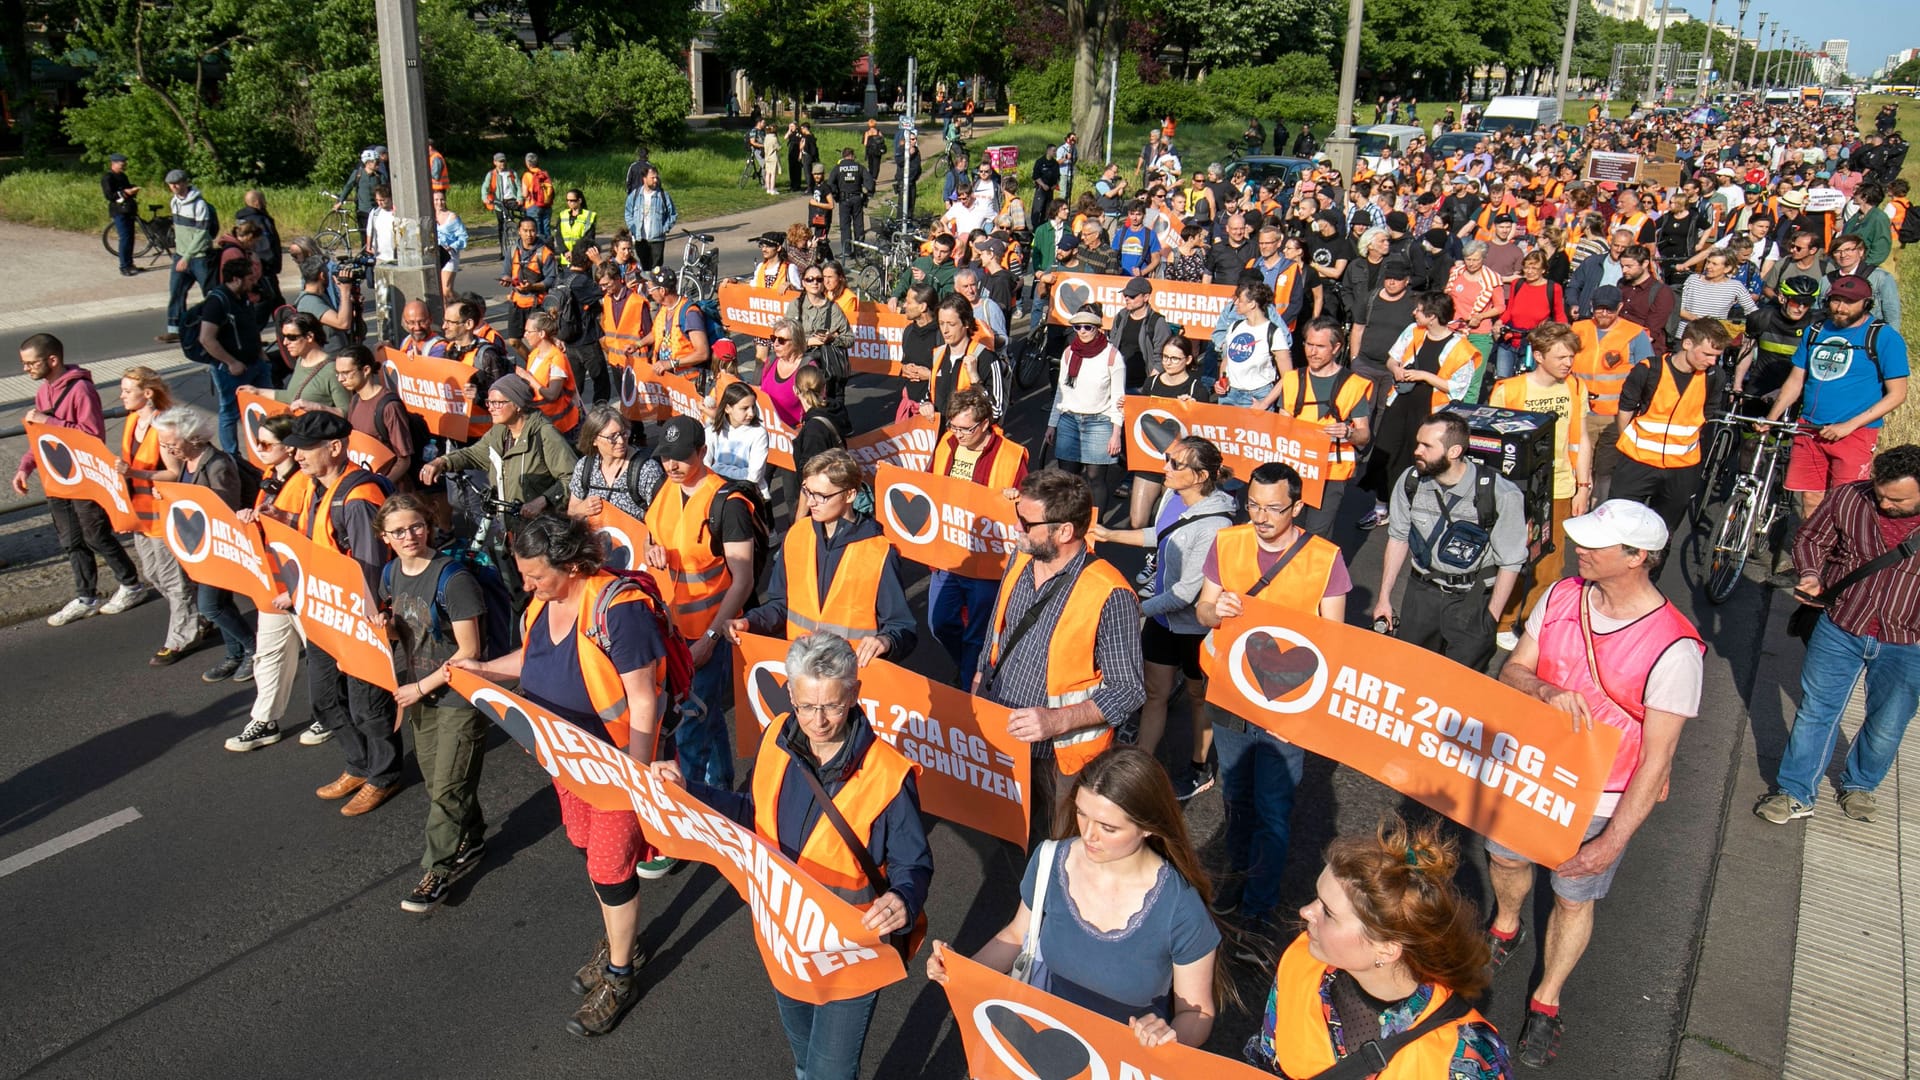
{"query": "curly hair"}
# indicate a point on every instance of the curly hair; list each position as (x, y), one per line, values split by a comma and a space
(1401, 883)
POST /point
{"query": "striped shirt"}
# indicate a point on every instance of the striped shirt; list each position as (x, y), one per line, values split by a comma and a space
(1843, 533)
(1705, 299)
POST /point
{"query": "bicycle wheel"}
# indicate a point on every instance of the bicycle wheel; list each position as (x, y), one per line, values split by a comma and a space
(331, 242)
(1715, 471)
(1731, 543)
(870, 283)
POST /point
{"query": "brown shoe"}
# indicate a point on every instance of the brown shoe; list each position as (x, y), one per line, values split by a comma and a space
(602, 1010)
(367, 798)
(588, 978)
(341, 788)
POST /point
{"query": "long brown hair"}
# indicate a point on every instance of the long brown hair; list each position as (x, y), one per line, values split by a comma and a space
(1401, 883)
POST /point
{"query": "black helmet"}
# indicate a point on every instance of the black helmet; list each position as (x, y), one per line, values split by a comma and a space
(1799, 287)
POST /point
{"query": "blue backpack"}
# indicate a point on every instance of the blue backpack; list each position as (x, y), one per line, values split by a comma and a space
(499, 630)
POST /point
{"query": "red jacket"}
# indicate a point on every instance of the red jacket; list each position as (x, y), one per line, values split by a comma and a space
(68, 400)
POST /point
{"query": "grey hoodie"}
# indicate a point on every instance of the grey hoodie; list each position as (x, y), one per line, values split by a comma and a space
(1183, 559)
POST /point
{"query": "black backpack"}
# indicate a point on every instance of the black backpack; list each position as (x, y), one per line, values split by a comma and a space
(762, 521)
(1910, 227)
(566, 310)
(499, 630)
(228, 330)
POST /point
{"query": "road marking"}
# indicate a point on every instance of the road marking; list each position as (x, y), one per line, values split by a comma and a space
(58, 844)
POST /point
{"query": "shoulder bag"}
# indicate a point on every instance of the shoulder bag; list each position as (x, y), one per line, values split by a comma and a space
(904, 941)
(1805, 617)
(1027, 962)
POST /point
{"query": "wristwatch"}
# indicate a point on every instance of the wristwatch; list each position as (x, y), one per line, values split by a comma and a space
(711, 633)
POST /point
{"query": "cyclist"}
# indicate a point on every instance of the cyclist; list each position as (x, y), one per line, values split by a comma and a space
(1776, 330)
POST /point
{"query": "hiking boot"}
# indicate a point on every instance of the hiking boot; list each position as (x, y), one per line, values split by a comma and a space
(1858, 805)
(1539, 1040)
(315, 734)
(227, 668)
(1499, 952)
(588, 978)
(78, 608)
(256, 734)
(1781, 808)
(127, 596)
(427, 895)
(604, 1007)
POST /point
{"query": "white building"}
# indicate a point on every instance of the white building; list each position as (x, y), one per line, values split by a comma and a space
(1836, 50)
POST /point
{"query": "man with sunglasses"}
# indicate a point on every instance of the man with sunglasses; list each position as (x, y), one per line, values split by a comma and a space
(1803, 259)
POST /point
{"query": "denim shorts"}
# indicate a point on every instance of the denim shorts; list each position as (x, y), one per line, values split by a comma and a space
(1579, 889)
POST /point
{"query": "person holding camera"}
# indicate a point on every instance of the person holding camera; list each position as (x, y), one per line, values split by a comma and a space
(336, 320)
(1465, 528)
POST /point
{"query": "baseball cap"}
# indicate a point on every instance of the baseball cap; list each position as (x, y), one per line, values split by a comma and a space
(177, 176)
(1067, 242)
(1606, 296)
(1850, 287)
(499, 157)
(313, 428)
(1396, 268)
(116, 157)
(1619, 521)
(682, 439)
(996, 247)
(724, 351)
(1725, 170)
(1137, 287)
(1499, 219)
(657, 276)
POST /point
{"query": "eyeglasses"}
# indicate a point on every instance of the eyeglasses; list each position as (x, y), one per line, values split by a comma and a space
(498, 403)
(783, 337)
(961, 431)
(1268, 510)
(833, 711)
(1175, 463)
(410, 530)
(1028, 526)
(813, 496)
(612, 436)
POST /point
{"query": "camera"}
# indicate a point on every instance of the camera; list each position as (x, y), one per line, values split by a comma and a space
(353, 269)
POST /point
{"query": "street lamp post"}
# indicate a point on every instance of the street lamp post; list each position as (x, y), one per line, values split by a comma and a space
(1340, 145)
(1739, 27)
(1759, 38)
(1706, 56)
(1659, 43)
(872, 104)
(1566, 54)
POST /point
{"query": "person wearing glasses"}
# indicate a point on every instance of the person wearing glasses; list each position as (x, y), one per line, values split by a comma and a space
(975, 449)
(823, 323)
(611, 470)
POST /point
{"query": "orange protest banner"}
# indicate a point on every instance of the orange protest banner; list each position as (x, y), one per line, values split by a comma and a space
(331, 601)
(1247, 438)
(972, 772)
(1191, 306)
(907, 443)
(368, 452)
(214, 547)
(256, 405)
(779, 432)
(944, 523)
(625, 539)
(76, 465)
(1012, 1031)
(439, 391)
(1502, 763)
(810, 940)
(646, 396)
(877, 329)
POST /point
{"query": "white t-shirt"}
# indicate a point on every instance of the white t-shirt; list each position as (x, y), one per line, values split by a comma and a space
(380, 231)
(962, 219)
(1247, 359)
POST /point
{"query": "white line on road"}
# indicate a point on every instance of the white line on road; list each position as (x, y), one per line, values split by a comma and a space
(58, 844)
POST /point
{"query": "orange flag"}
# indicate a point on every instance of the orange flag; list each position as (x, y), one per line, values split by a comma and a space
(332, 603)
(1247, 438)
(256, 405)
(810, 940)
(945, 523)
(76, 465)
(214, 547)
(1502, 763)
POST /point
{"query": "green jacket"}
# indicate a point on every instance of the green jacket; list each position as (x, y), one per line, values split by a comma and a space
(195, 224)
(537, 464)
(1045, 246)
(1876, 229)
(940, 274)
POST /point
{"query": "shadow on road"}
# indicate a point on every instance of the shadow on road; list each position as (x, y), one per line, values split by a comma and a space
(45, 786)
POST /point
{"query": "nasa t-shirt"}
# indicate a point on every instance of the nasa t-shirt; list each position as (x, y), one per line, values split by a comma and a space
(1841, 381)
(1248, 360)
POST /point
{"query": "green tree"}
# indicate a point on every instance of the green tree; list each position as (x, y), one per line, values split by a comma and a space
(1407, 43)
(1218, 34)
(791, 46)
(950, 41)
(1906, 74)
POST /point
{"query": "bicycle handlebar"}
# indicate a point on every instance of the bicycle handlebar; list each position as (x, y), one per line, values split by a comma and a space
(1753, 421)
(510, 507)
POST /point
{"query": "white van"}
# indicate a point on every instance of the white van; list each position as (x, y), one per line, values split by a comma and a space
(1521, 114)
(1781, 97)
(1370, 140)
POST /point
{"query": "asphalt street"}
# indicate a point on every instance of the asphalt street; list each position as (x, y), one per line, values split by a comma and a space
(239, 925)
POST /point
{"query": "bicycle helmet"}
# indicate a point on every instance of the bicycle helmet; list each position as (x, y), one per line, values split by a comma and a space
(1799, 287)
(369, 155)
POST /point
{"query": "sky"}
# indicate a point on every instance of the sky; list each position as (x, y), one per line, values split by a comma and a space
(1873, 28)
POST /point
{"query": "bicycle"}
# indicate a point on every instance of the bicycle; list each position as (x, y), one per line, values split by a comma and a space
(339, 230)
(490, 543)
(867, 271)
(752, 171)
(153, 235)
(1754, 506)
(699, 278)
(1717, 463)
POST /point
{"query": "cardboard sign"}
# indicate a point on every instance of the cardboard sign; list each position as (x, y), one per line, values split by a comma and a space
(779, 433)
(1247, 438)
(256, 405)
(810, 940)
(1604, 165)
(944, 523)
(76, 465)
(1502, 763)
(331, 601)
(908, 444)
(877, 329)
(439, 391)
(1666, 148)
(213, 546)
(1665, 174)
(972, 772)
(1012, 1031)
(1191, 306)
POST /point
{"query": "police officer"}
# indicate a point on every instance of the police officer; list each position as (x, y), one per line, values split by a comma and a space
(850, 184)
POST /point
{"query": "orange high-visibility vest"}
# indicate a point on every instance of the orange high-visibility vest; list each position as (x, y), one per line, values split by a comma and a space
(1072, 674)
(146, 457)
(1009, 461)
(851, 607)
(1456, 355)
(536, 186)
(563, 411)
(528, 268)
(1603, 362)
(1667, 434)
(1303, 1045)
(776, 278)
(604, 688)
(437, 177)
(1297, 396)
(865, 796)
(677, 521)
(670, 341)
(1300, 585)
(360, 485)
(622, 335)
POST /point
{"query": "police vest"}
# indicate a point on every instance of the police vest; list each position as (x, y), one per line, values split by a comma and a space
(861, 800)
(1072, 674)
(1009, 460)
(1299, 586)
(1666, 435)
(622, 329)
(851, 607)
(573, 226)
(530, 268)
(563, 411)
(677, 521)
(604, 688)
(849, 181)
(1603, 362)
(1297, 396)
(1303, 1044)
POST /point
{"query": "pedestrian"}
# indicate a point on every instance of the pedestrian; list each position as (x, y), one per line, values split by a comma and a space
(185, 436)
(737, 442)
(678, 337)
(375, 409)
(195, 224)
(1177, 378)
(1479, 298)
(358, 188)
(1388, 949)
(66, 398)
(850, 183)
(1663, 409)
(651, 217)
(1254, 349)
(601, 679)
(1341, 401)
(1137, 945)
(536, 185)
(874, 146)
(145, 395)
(285, 492)
(1605, 647)
(574, 228)
(1084, 424)
(1611, 347)
(450, 234)
(550, 374)
(267, 249)
(825, 748)
(1429, 366)
(611, 469)
(531, 273)
(501, 193)
(975, 449)
(123, 208)
(770, 160)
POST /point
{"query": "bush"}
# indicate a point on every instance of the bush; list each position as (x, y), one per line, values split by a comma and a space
(1044, 96)
(1297, 86)
(1143, 102)
(624, 95)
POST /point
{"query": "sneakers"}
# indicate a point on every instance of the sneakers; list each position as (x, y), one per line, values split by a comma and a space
(1781, 808)
(1499, 952)
(655, 869)
(427, 895)
(605, 1005)
(1539, 1040)
(467, 855)
(127, 596)
(256, 734)
(1195, 782)
(1376, 519)
(1507, 640)
(76, 609)
(1226, 900)
(244, 673)
(588, 978)
(315, 734)
(1858, 805)
(1147, 570)
(226, 669)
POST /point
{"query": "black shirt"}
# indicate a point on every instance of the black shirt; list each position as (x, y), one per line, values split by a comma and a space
(1644, 381)
(999, 285)
(918, 342)
(113, 187)
(1225, 262)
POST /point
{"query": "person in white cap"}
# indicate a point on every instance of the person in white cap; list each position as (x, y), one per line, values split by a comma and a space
(1609, 619)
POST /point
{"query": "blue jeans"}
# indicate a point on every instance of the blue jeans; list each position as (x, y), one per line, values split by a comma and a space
(1258, 775)
(826, 1039)
(217, 607)
(542, 218)
(706, 751)
(123, 228)
(224, 384)
(1506, 361)
(959, 612)
(200, 269)
(1246, 397)
(1833, 664)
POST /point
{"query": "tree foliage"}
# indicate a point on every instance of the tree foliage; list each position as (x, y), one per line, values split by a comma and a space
(1906, 74)
(791, 46)
(951, 41)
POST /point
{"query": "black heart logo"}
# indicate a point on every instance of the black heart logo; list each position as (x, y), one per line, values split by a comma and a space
(1050, 1053)
(1280, 670)
(254, 418)
(289, 576)
(1071, 297)
(190, 525)
(511, 720)
(57, 459)
(1161, 432)
(619, 555)
(911, 510)
(771, 690)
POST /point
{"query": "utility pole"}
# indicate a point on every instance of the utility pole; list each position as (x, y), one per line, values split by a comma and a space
(1659, 43)
(416, 274)
(1566, 53)
(1113, 102)
(1340, 145)
(1773, 47)
(872, 103)
(1759, 38)
(1706, 56)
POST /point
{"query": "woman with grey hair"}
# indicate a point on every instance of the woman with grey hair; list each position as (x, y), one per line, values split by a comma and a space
(1479, 299)
(186, 437)
(825, 745)
(1361, 279)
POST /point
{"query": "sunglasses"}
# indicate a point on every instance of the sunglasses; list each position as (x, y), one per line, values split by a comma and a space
(1028, 526)
(783, 337)
(811, 277)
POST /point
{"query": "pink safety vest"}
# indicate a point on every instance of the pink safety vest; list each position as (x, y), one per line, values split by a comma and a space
(1626, 657)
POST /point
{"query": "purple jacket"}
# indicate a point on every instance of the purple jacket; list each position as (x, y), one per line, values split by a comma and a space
(69, 401)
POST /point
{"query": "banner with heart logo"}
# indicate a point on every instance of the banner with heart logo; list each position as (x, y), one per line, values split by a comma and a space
(256, 405)
(877, 329)
(1012, 1031)
(810, 940)
(972, 772)
(907, 443)
(1247, 438)
(944, 523)
(76, 465)
(439, 391)
(625, 538)
(779, 432)
(1189, 305)
(331, 600)
(213, 546)
(1504, 764)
